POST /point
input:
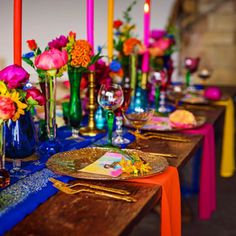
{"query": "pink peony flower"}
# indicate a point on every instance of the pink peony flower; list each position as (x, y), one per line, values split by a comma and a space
(14, 76)
(7, 108)
(157, 34)
(163, 43)
(51, 59)
(36, 95)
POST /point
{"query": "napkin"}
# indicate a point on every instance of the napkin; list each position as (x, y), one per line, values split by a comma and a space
(170, 200)
(227, 166)
(207, 191)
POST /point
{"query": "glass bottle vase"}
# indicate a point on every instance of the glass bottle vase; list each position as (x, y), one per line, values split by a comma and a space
(75, 107)
(20, 142)
(4, 174)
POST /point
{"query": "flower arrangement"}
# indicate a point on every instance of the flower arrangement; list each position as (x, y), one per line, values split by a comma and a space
(29, 57)
(132, 46)
(124, 30)
(80, 52)
(15, 97)
(53, 62)
(161, 47)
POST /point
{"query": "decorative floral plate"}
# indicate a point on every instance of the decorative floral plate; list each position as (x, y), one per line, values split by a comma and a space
(70, 163)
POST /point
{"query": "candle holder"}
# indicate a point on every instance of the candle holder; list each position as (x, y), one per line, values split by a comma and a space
(91, 130)
(144, 80)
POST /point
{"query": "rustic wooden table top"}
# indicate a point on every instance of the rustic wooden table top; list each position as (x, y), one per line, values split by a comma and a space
(86, 214)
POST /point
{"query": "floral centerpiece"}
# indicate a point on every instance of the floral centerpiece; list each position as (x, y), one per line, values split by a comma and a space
(80, 59)
(162, 46)
(124, 30)
(16, 99)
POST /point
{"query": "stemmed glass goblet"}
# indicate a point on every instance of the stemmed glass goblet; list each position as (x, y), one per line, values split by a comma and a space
(138, 117)
(119, 139)
(177, 92)
(110, 97)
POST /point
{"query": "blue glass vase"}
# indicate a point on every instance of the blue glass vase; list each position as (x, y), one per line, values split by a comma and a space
(20, 137)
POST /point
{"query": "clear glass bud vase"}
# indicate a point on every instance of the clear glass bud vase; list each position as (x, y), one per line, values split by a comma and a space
(52, 145)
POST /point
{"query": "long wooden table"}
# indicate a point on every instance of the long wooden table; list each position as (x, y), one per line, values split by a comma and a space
(87, 214)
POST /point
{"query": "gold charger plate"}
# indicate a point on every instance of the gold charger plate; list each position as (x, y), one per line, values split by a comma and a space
(69, 163)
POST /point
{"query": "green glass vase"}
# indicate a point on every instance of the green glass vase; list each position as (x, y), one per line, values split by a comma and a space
(75, 108)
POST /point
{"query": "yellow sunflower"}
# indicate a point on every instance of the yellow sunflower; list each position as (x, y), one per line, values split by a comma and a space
(3, 88)
(20, 106)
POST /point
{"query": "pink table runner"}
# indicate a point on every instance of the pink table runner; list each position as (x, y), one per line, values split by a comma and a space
(207, 194)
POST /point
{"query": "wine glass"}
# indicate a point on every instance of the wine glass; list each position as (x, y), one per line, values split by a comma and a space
(110, 97)
(138, 117)
(163, 85)
(119, 118)
(204, 74)
(177, 92)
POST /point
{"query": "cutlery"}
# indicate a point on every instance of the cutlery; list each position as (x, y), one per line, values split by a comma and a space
(150, 135)
(92, 186)
(70, 191)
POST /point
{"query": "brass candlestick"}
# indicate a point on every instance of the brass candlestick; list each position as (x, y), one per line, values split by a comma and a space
(144, 80)
(91, 130)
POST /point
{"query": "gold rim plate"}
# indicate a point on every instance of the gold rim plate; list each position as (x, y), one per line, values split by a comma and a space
(69, 163)
(201, 120)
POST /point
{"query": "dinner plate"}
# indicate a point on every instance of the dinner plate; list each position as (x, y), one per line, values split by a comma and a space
(70, 163)
(159, 123)
(197, 98)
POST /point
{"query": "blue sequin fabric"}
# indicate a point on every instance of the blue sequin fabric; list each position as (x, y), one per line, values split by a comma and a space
(20, 191)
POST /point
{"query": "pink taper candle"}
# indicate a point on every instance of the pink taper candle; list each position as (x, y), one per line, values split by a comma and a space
(90, 26)
(17, 31)
(146, 31)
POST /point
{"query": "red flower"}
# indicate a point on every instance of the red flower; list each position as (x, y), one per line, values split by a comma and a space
(117, 24)
(7, 108)
(36, 95)
(72, 35)
(32, 44)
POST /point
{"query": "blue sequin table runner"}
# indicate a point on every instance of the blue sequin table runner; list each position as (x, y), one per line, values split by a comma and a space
(24, 195)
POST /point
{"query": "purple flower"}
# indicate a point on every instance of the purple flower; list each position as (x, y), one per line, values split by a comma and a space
(58, 43)
(157, 34)
(14, 76)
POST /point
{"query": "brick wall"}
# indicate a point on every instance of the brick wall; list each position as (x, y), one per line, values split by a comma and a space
(213, 37)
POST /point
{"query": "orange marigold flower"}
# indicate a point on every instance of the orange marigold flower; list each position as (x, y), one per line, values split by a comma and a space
(130, 46)
(81, 53)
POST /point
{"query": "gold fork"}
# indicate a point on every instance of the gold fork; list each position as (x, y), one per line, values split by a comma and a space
(92, 186)
(70, 191)
(150, 135)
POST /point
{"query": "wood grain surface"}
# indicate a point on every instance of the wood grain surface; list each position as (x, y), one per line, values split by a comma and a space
(86, 214)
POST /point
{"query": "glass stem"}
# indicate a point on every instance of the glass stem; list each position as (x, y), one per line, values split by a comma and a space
(137, 131)
(51, 107)
(157, 97)
(110, 122)
(188, 77)
(119, 123)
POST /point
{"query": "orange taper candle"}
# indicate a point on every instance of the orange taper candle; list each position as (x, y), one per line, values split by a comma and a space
(17, 31)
